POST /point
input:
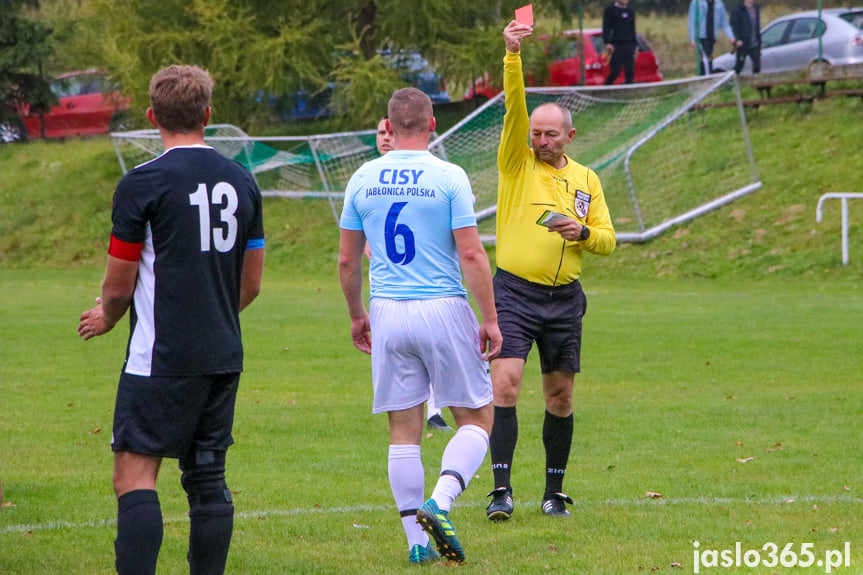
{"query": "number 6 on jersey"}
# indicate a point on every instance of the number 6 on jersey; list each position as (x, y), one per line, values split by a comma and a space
(392, 231)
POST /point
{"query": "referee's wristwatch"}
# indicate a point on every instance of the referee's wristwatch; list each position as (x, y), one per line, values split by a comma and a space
(585, 233)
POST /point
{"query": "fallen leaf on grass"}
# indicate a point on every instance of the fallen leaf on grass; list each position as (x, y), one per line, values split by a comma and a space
(361, 526)
(95, 431)
(552, 547)
(846, 488)
(7, 504)
(833, 529)
(740, 443)
(744, 459)
(653, 494)
(676, 564)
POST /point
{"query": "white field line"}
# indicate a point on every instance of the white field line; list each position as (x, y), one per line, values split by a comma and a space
(243, 515)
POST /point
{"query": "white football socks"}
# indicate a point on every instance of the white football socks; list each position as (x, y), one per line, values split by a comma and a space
(407, 482)
(464, 454)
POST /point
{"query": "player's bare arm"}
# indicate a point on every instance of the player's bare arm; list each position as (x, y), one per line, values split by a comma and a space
(118, 287)
(477, 275)
(250, 282)
(513, 34)
(351, 244)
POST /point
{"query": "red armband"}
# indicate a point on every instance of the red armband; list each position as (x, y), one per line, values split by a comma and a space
(124, 250)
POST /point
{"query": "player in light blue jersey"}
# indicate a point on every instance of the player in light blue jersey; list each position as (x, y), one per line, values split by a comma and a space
(417, 213)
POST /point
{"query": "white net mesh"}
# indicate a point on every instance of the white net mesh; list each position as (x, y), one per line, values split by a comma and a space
(291, 166)
(664, 152)
(661, 150)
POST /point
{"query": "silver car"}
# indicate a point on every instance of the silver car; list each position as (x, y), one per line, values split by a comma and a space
(791, 42)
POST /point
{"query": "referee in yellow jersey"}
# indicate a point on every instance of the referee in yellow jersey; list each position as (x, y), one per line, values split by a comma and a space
(550, 210)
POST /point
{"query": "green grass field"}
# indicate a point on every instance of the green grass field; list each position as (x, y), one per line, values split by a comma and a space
(682, 379)
(735, 337)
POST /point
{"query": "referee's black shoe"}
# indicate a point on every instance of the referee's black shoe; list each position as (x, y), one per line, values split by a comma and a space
(501, 506)
(554, 504)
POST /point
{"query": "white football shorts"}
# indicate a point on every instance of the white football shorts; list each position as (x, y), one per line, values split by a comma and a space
(417, 343)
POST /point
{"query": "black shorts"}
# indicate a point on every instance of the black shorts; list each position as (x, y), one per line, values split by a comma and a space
(169, 416)
(549, 315)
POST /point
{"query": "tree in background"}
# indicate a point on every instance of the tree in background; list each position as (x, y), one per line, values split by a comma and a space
(255, 47)
(23, 48)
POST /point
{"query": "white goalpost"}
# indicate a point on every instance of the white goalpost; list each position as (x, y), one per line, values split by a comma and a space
(665, 152)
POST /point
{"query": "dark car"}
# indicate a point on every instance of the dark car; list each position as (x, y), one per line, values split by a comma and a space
(412, 67)
(87, 105)
(564, 63)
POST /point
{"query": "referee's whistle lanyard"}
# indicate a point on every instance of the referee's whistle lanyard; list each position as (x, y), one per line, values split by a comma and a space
(563, 245)
(562, 249)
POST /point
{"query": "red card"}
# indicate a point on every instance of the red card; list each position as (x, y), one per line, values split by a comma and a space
(524, 15)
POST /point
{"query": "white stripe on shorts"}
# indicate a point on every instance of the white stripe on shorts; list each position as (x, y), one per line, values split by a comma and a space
(421, 342)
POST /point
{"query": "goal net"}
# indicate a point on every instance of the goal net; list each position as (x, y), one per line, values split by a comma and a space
(284, 166)
(665, 152)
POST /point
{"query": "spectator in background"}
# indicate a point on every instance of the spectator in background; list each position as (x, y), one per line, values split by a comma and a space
(709, 16)
(618, 32)
(746, 24)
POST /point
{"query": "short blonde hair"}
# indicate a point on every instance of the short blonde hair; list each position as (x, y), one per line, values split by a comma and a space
(409, 111)
(180, 96)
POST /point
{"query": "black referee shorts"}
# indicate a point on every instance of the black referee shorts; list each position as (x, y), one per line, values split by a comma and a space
(169, 416)
(551, 316)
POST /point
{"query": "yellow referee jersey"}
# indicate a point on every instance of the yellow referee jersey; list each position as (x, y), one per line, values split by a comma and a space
(528, 186)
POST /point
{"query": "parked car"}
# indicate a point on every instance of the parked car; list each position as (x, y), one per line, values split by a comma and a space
(416, 71)
(412, 67)
(564, 66)
(791, 42)
(87, 105)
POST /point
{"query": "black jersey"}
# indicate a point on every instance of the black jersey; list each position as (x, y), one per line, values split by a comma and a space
(196, 212)
(618, 25)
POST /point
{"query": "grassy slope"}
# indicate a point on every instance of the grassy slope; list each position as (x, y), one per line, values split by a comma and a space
(55, 201)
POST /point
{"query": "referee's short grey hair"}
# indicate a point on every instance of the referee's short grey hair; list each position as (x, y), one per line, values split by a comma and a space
(565, 113)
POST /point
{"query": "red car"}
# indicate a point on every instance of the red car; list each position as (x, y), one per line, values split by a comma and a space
(87, 106)
(564, 67)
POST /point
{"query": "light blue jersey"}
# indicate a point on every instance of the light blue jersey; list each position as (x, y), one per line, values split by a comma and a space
(407, 203)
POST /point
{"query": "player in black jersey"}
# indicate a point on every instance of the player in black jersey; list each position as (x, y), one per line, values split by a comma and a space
(186, 256)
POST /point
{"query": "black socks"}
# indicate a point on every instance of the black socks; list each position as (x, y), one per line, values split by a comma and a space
(557, 438)
(139, 532)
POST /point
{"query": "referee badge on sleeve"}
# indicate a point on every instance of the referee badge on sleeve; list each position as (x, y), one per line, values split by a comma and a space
(582, 203)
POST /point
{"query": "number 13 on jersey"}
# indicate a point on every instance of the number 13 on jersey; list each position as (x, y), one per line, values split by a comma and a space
(224, 237)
